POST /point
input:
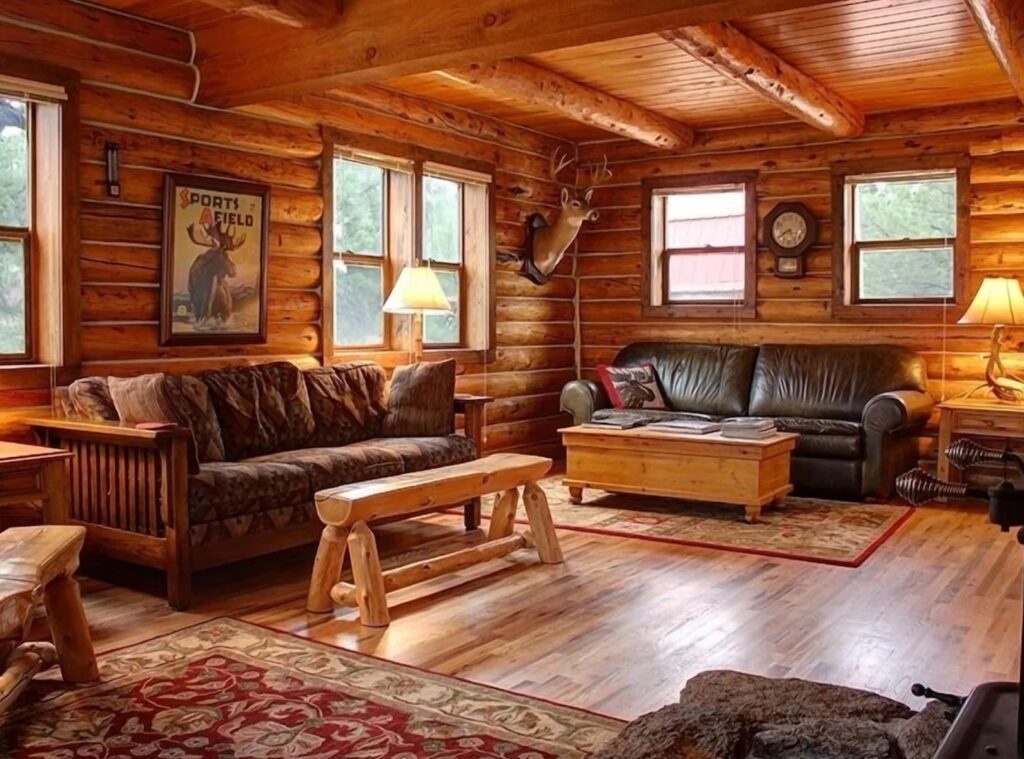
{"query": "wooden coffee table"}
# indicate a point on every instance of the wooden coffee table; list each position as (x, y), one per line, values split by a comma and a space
(749, 473)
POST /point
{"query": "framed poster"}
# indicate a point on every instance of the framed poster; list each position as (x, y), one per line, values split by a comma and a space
(213, 281)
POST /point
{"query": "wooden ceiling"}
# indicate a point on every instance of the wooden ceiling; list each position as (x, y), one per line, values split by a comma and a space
(880, 55)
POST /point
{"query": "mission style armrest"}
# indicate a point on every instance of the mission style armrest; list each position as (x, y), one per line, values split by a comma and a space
(582, 398)
(473, 408)
(891, 423)
(129, 488)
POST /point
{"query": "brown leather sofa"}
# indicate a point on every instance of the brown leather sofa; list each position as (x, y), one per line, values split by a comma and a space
(857, 408)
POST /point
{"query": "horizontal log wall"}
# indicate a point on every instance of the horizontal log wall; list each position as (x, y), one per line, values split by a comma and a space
(137, 84)
(800, 310)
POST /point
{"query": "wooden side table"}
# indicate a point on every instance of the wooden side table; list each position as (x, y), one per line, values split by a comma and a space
(983, 417)
(35, 473)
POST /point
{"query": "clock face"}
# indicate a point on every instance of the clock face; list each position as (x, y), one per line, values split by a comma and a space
(789, 229)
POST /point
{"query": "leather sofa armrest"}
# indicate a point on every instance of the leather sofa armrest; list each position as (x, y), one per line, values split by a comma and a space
(891, 421)
(582, 398)
(897, 410)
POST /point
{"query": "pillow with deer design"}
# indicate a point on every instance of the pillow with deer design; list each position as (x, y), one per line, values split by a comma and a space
(632, 386)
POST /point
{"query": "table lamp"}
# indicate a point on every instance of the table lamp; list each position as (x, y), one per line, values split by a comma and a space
(999, 302)
(417, 292)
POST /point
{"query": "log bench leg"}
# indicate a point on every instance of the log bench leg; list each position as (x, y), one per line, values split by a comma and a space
(536, 503)
(369, 580)
(70, 631)
(503, 515)
(471, 515)
(330, 557)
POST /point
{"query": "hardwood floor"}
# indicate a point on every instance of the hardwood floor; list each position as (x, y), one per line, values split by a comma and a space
(620, 627)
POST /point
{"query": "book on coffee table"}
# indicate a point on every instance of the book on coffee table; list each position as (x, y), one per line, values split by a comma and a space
(617, 422)
(749, 428)
(686, 426)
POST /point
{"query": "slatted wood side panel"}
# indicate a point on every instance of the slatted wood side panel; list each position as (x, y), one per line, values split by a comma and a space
(116, 486)
(799, 310)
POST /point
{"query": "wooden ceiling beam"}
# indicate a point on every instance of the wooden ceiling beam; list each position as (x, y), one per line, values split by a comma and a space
(300, 14)
(379, 39)
(534, 85)
(729, 51)
(1002, 24)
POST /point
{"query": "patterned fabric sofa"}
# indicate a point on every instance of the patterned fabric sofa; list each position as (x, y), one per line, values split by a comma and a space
(235, 477)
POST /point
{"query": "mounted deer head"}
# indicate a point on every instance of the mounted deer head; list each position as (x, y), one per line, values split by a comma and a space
(548, 242)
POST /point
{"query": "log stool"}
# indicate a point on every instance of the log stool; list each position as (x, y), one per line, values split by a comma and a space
(39, 563)
(346, 510)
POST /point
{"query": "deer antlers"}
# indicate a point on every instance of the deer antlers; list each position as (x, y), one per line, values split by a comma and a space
(596, 174)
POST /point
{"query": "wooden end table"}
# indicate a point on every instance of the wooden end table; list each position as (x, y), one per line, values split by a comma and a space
(35, 473)
(976, 417)
(749, 473)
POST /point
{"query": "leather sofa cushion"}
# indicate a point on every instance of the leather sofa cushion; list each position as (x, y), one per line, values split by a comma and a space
(699, 378)
(348, 402)
(829, 446)
(230, 489)
(261, 409)
(830, 381)
(330, 467)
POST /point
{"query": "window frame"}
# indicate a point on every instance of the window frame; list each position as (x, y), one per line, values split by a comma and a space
(458, 268)
(24, 236)
(478, 338)
(55, 239)
(654, 273)
(846, 250)
(362, 258)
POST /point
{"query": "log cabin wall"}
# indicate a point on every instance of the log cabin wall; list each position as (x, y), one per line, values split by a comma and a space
(793, 164)
(137, 84)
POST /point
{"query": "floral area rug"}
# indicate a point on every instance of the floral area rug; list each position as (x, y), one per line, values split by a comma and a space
(226, 688)
(808, 529)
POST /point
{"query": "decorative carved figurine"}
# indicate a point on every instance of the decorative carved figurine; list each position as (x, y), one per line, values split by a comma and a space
(547, 243)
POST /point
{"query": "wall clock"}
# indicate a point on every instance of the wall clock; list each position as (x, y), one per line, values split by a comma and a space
(789, 230)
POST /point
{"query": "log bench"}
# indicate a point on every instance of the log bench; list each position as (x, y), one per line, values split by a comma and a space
(38, 563)
(348, 510)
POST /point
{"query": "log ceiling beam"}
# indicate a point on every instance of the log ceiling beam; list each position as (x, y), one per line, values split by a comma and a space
(730, 52)
(300, 14)
(534, 85)
(1002, 24)
(245, 61)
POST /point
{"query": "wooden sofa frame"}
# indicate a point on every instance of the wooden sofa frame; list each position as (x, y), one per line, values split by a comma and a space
(129, 489)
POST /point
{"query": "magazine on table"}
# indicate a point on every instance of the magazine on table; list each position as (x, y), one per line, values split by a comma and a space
(686, 426)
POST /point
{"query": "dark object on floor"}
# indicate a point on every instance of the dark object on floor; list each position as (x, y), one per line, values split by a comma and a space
(991, 723)
(727, 715)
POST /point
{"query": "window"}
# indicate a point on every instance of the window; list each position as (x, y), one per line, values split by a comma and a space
(15, 229)
(360, 252)
(898, 236)
(376, 234)
(700, 243)
(442, 248)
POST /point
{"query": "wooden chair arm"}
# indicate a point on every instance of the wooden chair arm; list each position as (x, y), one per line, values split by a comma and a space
(112, 433)
(464, 401)
(473, 408)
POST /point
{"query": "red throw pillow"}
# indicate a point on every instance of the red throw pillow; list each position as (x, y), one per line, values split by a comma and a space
(632, 386)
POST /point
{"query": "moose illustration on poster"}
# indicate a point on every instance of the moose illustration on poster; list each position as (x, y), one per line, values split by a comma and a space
(214, 276)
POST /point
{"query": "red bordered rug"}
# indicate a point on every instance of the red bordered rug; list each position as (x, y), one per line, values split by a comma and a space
(226, 688)
(823, 531)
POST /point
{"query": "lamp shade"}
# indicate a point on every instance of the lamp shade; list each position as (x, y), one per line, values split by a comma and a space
(999, 301)
(417, 291)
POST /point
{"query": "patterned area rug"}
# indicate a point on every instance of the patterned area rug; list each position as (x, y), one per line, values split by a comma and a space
(808, 529)
(230, 689)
